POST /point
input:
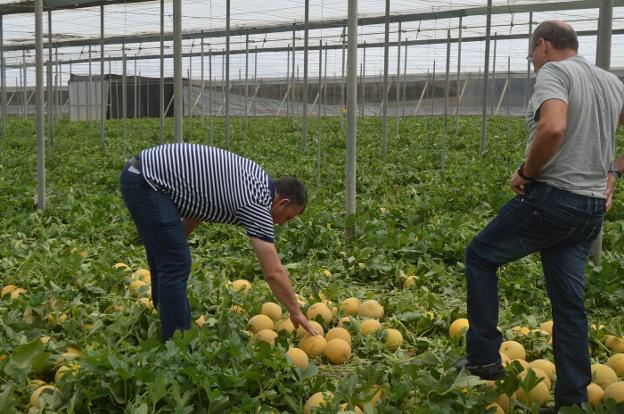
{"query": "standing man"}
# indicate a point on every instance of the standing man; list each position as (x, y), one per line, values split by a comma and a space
(558, 211)
(170, 189)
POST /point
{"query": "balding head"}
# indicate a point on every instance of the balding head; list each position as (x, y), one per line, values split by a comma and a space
(558, 33)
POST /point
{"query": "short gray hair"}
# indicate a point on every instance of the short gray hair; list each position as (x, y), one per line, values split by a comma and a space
(560, 34)
(292, 189)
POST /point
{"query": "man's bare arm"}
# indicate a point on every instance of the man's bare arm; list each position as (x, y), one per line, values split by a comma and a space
(551, 129)
(279, 281)
(189, 225)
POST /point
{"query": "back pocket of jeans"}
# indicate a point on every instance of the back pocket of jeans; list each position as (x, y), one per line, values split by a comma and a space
(539, 232)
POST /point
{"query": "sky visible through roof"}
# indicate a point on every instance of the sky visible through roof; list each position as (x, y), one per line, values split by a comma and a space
(134, 19)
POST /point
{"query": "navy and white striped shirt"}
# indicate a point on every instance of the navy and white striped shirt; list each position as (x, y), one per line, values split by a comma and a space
(211, 184)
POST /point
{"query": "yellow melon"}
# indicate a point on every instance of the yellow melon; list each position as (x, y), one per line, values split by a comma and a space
(546, 366)
(298, 357)
(337, 351)
(615, 391)
(313, 346)
(350, 306)
(409, 281)
(18, 291)
(319, 328)
(237, 309)
(371, 309)
(505, 360)
(513, 349)
(316, 400)
(547, 327)
(345, 321)
(616, 363)
(369, 326)
(603, 375)
(143, 274)
(266, 335)
(522, 362)
(272, 310)
(344, 407)
(7, 290)
(338, 333)
(241, 285)
(614, 343)
(393, 339)
(322, 310)
(121, 266)
(260, 322)
(50, 393)
(594, 394)
(286, 325)
(64, 369)
(537, 396)
(458, 328)
(497, 408)
(520, 330)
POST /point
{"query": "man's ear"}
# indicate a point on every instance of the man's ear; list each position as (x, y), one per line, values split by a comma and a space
(283, 202)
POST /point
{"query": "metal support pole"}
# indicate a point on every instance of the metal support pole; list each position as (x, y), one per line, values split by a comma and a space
(49, 81)
(161, 84)
(178, 104)
(362, 80)
(41, 180)
(246, 77)
(318, 115)
(398, 82)
(90, 83)
(603, 40)
(305, 74)
(384, 100)
(201, 93)
(325, 82)
(124, 95)
(351, 120)
(293, 98)
(256, 84)
(3, 84)
(508, 100)
(446, 98)
(404, 77)
(433, 82)
(486, 69)
(102, 89)
(528, 90)
(24, 83)
(288, 86)
(459, 45)
(226, 119)
(135, 92)
(343, 103)
(493, 87)
(210, 96)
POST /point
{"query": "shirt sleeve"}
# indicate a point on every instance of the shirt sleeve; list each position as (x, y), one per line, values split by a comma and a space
(257, 221)
(551, 83)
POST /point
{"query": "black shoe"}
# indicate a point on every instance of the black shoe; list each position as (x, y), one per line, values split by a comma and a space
(492, 372)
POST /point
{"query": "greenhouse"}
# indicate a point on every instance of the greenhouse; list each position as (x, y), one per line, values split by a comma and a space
(405, 206)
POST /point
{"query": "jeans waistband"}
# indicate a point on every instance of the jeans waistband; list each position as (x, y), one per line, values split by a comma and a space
(577, 201)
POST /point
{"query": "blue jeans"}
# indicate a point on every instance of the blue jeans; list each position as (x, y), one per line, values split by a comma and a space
(168, 255)
(560, 226)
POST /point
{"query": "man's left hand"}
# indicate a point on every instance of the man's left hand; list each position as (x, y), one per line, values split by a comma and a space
(517, 183)
(611, 181)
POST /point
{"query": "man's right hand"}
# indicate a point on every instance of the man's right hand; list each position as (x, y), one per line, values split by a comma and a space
(298, 319)
(611, 181)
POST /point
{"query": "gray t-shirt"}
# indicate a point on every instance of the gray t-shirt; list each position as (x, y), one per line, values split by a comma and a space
(595, 100)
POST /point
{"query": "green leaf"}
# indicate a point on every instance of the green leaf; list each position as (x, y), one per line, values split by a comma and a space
(27, 358)
(7, 398)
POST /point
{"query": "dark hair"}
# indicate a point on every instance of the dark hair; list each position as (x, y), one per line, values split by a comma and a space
(292, 189)
(561, 35)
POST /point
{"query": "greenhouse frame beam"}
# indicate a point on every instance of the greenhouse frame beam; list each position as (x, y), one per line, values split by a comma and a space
(26, 7)
(327, 24)
(329, 47)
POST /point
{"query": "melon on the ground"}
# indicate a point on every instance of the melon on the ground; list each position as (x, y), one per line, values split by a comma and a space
(260, 322)
(594, 394)
(313, 346)
(393, 339)
(537, 396)
(603, 375)
(458, 328)
(285, 325)
(513, 349)
(298, 357)
(316, 400)
(340, 333)
(322, 310)
(546, 366)
(266, 335)
(371, 309)
(350, 306)
(337, 351)
(301, 331)
(615, 391)
(616, 363)
(369, 326)
(272, 310)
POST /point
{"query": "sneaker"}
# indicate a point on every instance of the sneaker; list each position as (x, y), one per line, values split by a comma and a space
(494, 371)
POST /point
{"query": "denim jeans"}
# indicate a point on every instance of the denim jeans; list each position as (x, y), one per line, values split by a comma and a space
(560, 226)
(160, 227)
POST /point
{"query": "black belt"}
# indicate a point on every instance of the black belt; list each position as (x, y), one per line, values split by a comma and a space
(135, 162)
